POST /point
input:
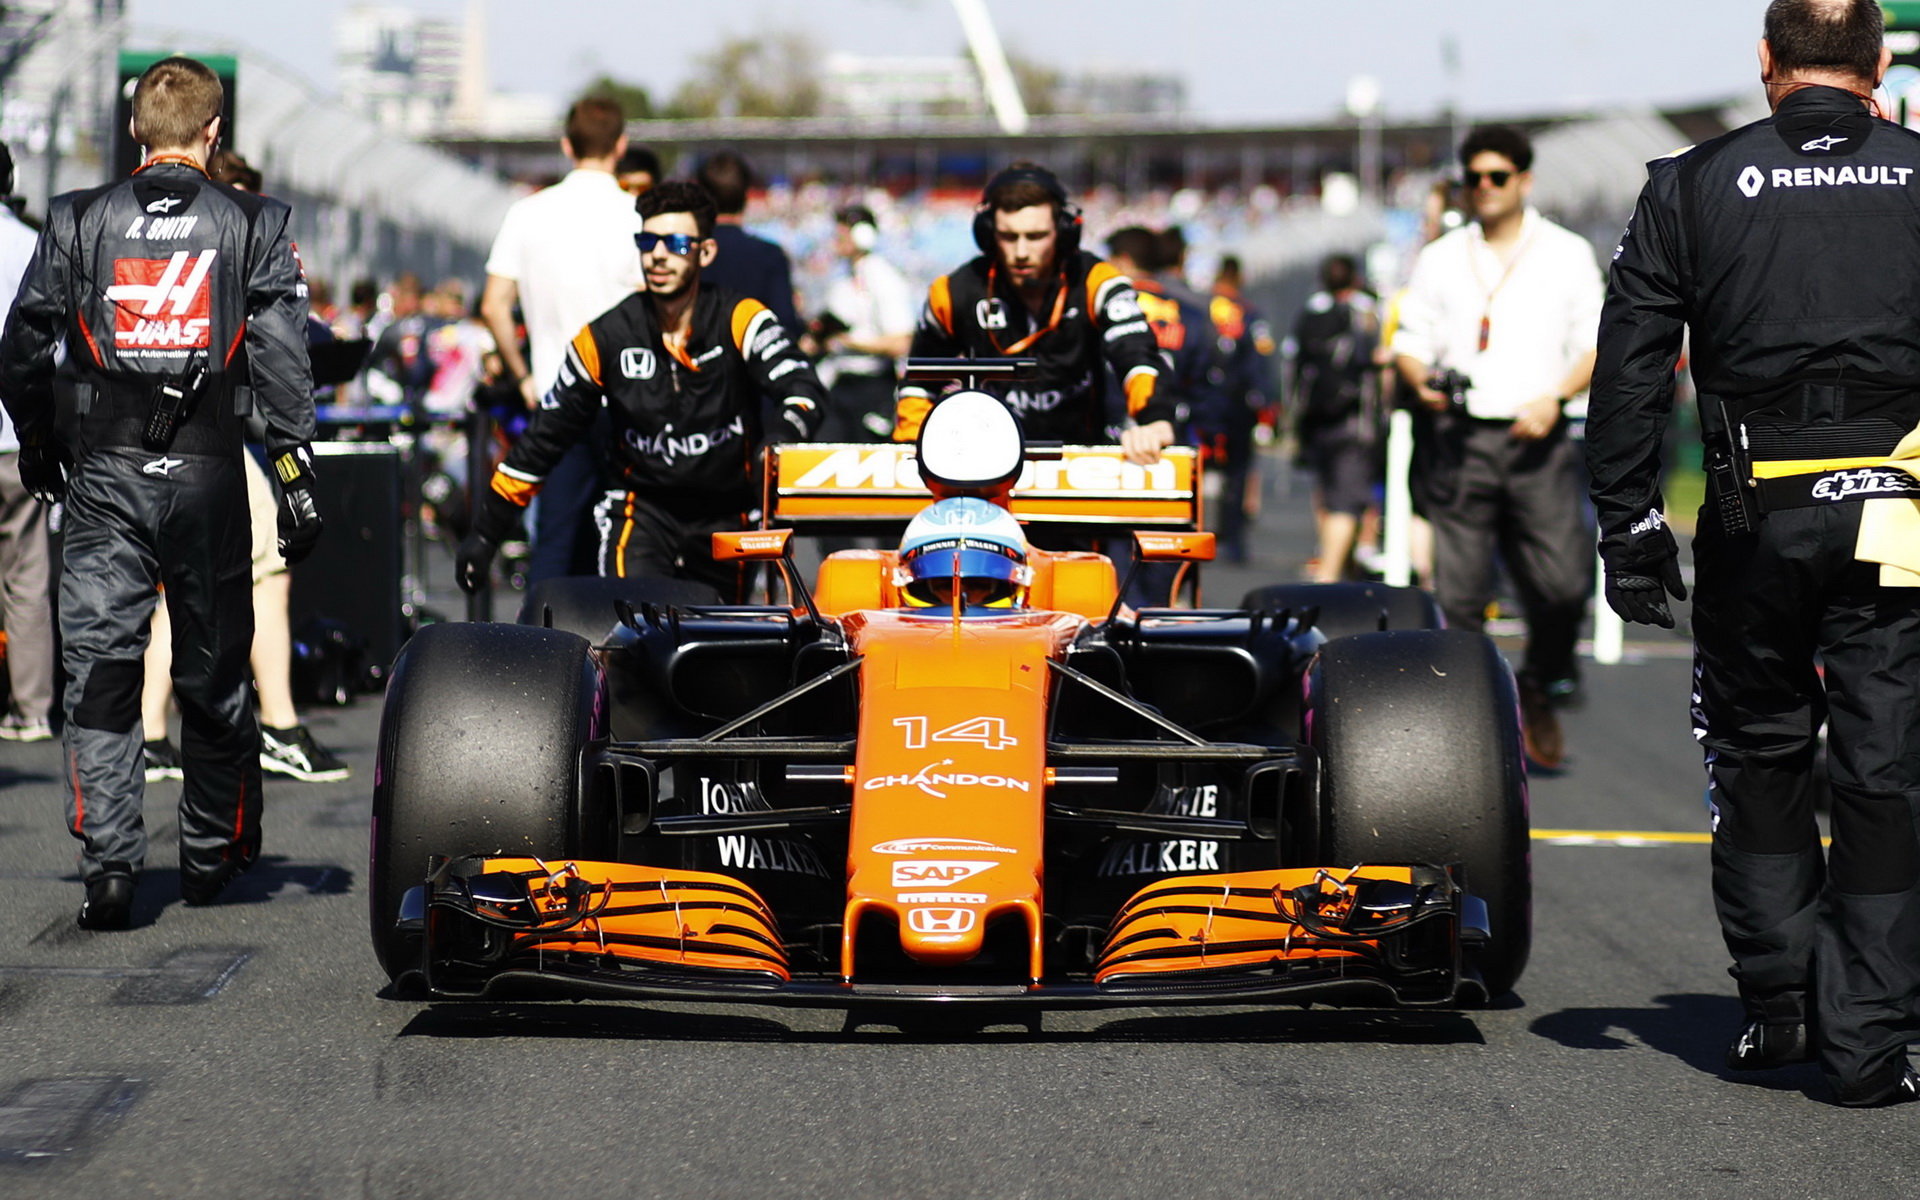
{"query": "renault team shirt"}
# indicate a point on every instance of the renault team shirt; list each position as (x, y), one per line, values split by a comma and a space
(1541, 308)
(569, 249)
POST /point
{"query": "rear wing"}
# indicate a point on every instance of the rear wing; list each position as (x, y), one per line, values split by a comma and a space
(876, 487)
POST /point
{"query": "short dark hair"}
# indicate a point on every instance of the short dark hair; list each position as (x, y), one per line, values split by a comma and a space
(726, 176)
(1834, 35)
(594, 126)
(678, 196)
(1137, 244)
(175, 99)
(363, 291)
(1230, 269)
(1006, 194)
(637, 159)
(855, 214)
(1338, 272)
(1504, 140)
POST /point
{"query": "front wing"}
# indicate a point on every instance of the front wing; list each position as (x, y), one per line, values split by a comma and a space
(1363, 934)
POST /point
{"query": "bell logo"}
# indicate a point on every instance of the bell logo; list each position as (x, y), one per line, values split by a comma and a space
(950, 922)
(1751, 181)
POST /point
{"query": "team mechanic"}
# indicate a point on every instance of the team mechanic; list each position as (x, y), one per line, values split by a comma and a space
(680, 369)
(1791, 247)
(180, 302)
(1033, 292)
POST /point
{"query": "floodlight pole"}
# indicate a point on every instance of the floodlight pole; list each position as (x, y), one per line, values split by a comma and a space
(1003, 93)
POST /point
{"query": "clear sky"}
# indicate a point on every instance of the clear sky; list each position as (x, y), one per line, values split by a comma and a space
(1242, 59)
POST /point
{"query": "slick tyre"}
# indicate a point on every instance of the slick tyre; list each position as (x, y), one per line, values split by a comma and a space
(1418, 737)
(584, 604)
(480, 753)
(1350, 608)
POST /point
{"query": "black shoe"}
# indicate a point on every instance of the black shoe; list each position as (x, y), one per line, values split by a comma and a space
(109, 902)
(1540, 735)
(1904, 1092)
(294, 752)
(1762, 1047)
(163, 760)
(198, 891)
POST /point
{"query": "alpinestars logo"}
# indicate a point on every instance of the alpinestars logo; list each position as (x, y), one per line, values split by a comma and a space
(162, 303)
(1823, 143)
(162, 466)
(1862, 482)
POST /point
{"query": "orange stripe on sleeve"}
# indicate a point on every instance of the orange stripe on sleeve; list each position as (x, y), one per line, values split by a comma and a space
(515, 491)
(940, 300)
(1140, 389)
(743, 315)
(589, 352)
(1098, 276)
(909, 413)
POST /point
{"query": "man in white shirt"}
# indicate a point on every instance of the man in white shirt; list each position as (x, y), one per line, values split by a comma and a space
(867, 325)
(1510, 302)
(566, 254)
(26, 608)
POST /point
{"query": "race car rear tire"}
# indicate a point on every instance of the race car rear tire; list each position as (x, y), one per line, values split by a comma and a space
(480, 753)
(583, 604)
(1418, 738)
(1350, 608)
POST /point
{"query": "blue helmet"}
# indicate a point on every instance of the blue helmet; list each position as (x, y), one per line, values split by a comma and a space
(979, 542)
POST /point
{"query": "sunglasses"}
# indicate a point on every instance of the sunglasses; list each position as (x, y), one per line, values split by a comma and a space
(1498, 179)
(682, 244)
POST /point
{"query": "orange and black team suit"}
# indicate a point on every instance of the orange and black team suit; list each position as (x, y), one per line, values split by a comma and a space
(1094, 315)
(686, 431)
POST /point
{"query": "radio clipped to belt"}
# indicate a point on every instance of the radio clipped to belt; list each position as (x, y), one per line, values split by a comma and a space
(172, 402)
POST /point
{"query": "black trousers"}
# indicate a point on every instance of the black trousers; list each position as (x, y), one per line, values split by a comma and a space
(137, 521)
(1841, 929)
(1489, 491)
(639, 536)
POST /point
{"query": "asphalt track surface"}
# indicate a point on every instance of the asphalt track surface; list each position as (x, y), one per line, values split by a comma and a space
(248, 1049)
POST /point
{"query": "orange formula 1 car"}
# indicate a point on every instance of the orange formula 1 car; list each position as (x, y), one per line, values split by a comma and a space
(960, 772)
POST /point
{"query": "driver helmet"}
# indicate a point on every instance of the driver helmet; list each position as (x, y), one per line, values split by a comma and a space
(979, 543)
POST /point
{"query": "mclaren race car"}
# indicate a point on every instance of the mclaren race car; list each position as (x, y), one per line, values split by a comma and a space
(963, 771)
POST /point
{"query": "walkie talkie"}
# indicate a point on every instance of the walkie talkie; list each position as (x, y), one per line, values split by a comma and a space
(171, 400)
(1727, 475)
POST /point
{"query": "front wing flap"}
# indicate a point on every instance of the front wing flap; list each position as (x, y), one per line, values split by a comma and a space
(612, 929)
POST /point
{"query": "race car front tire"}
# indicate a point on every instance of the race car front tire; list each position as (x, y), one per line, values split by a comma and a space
(480, 753)
(1418, 738)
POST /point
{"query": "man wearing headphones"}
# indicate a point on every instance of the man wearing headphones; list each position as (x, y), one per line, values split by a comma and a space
(1034, 293)
(867, 326)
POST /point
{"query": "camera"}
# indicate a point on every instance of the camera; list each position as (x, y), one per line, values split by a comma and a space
(1454, 385)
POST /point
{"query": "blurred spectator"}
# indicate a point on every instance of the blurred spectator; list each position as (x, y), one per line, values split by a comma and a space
(746, 264)
(866, 327)
(1335, 401)
(26, 608)
(1241, 370)
(565, 255)
(398, 370)
(637, 171)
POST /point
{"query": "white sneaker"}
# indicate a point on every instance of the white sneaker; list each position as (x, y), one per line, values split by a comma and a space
(19, 729)
(294, 752)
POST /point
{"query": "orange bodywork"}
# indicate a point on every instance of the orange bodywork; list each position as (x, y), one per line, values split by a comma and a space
(1207, 922)
(650, 914)
(1070, 581)
(950, 778)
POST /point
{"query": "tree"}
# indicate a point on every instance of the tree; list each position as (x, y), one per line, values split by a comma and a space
(1039, 84)
(768, 75)
(633, 99)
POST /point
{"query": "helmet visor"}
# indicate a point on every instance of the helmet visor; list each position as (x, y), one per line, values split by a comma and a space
(988, 575)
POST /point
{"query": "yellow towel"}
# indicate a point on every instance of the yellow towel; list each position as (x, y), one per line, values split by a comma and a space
(1889, 527)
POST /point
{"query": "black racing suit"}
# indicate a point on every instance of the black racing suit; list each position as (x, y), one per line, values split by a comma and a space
(161, 276)
(1791, 247)
(1092, 316)
(686, 425)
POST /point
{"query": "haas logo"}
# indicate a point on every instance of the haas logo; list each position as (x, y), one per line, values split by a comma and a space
(162, 303)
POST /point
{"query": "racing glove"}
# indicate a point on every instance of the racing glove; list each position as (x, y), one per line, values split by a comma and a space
(473, 561)
(1642, 599)
(44, 467)
(300, 524)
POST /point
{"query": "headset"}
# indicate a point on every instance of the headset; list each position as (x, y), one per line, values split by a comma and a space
(1066, 214)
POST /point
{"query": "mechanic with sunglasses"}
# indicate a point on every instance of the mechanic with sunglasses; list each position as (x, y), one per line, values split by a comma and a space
(680, 370)
(1791, 249)
(1509, 304)
(1032, 292)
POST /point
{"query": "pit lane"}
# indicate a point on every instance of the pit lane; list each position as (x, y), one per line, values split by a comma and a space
(247, 1049)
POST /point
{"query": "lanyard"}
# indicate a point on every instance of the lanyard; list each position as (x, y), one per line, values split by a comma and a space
(177, 159)
(1059, 307)
(1486, 314)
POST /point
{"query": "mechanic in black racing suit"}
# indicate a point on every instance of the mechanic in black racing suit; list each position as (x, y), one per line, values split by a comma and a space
(1033, 292)
(680, 369)
(1791, 247)
(180, 303)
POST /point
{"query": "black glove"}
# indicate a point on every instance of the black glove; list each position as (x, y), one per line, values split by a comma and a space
(473, 562)
(300, 524)
(44, 466)
(790, 427)
(1642, 599)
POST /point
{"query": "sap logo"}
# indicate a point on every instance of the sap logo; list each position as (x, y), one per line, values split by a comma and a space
(1654, 520)
(637, 362)
(771, 854)
(990, 314)
(1160, 858)
(938, 846)
(942, 922)
(936, 871)
(930, 780)
(1865, 481)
